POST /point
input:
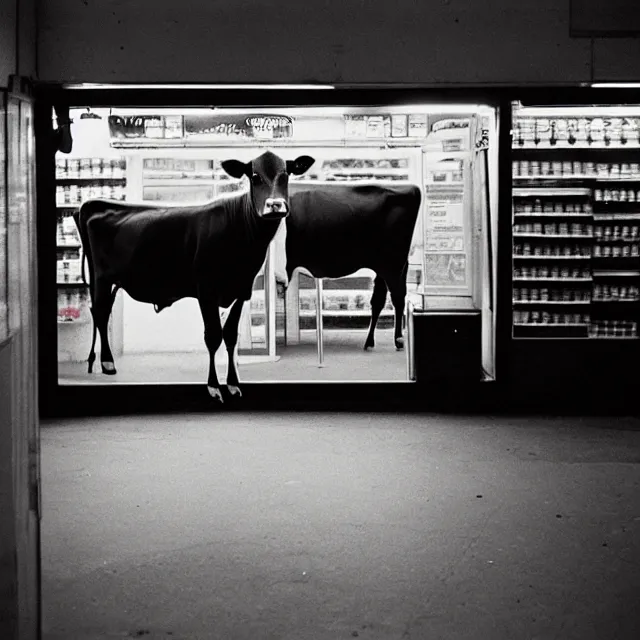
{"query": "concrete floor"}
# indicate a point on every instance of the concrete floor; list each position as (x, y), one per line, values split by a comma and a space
(330, 526)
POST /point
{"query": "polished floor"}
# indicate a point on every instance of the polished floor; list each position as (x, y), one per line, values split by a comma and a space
(330, 526)
(344, 360)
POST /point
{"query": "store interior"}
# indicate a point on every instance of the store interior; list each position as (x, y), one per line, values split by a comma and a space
(315, 329)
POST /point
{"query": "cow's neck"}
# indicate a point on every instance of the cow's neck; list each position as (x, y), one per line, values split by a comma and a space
(258, 231)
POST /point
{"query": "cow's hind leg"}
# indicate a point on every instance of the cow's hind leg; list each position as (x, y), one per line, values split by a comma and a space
(230, 335)
(213, 340)
(378, 299)
(92, 354)
(102, 305)
(398, 291)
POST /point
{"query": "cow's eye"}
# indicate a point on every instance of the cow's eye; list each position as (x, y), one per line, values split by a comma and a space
(256, 179)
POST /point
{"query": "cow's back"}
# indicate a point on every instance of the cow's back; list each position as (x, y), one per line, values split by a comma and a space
(334, 230)
(157, 253)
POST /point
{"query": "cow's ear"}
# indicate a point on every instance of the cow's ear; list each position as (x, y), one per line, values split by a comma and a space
(235, 168)
(301, 164)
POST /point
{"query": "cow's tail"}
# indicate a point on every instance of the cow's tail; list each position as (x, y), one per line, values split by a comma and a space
(80, 217)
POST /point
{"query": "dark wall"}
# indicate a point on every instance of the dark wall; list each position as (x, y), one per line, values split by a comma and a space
(405, 41)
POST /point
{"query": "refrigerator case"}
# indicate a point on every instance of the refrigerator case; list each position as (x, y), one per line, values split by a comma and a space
(448, 251)
(576, 223)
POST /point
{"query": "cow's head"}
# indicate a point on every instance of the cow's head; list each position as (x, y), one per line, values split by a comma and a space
(269, 178)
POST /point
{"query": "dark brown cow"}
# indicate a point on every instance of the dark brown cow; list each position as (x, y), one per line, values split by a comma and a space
(211, 252)
(334, 230)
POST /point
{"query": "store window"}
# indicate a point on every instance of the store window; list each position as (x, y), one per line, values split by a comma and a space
(174, 156)
(576, 222)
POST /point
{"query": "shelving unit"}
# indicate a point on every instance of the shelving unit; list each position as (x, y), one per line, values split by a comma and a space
(577, 181)
(77, 180)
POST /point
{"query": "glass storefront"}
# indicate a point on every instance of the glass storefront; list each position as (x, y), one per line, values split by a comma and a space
(174, 156)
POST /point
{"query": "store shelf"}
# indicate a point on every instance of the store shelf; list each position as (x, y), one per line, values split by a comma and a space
(552, 257)
(611, 181)
(71, 284)
(547, 279)
(577, 177)
(70, 245)
(552, 236)
(521, 192)
(594, 153)
(556, 302)
(610, 273)
(616, 301)
(551, 214)
(606, 240)
(600, 216)
(549, 324)
(69, 181)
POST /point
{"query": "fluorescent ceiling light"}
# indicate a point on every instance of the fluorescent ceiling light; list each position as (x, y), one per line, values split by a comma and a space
(92, 85)
(616, 85)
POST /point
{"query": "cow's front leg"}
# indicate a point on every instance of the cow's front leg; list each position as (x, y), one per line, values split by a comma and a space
(230, 335)
(213, 340)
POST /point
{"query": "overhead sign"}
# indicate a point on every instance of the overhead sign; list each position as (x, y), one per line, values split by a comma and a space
(200, 126)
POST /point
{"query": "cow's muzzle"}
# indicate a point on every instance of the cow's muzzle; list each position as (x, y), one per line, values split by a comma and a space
(275, 208)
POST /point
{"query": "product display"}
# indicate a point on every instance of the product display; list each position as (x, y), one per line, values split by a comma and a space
(565, 168)
(77, 180)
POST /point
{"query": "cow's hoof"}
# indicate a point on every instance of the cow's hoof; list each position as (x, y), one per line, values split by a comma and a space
(369, 344)
(215, 393)
(109, 368)
(234, 391)
(399, 344)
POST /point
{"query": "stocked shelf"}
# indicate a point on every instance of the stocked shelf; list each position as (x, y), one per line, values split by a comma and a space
(551, 325)
(601, 273)
(596, 177)
(541, 257)
(549, 214)
(547, 279)
(551, 302)
(550, 191)
(553, 235)
(566, 152)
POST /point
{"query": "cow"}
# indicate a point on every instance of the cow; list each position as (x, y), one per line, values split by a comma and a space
(335, 229)
(160, 254)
